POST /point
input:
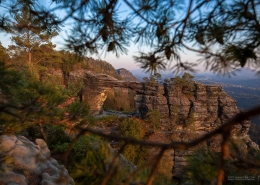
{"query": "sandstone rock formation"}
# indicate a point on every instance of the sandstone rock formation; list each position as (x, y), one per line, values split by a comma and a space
(185, 116)
(24, 162)
(188, 117)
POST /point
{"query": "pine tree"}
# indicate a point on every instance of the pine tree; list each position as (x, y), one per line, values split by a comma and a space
(29, 34)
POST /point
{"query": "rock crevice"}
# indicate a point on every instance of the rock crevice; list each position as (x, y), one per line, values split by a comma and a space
(185, 114)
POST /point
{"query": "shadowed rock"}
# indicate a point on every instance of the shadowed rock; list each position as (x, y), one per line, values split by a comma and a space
(25, 162)
(185, 115)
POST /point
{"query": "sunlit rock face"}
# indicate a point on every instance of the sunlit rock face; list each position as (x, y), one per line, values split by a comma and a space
(184, 115)
(96, 88)
(24, 162)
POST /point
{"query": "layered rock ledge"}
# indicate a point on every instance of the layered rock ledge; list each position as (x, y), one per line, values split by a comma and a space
(185, 115)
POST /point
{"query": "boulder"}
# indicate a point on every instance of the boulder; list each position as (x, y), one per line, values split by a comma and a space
(25, 162)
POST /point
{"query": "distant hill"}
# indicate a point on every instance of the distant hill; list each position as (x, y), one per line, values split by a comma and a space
(127, 75)
(99, 66)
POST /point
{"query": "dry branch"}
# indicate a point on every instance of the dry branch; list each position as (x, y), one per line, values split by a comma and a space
(224, 130)
(179, 145)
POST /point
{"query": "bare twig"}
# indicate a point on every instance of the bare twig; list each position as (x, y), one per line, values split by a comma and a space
(139, 169)
(224, 157)
(42, 132)
(158, 158)
(112, 165)
(179, 145)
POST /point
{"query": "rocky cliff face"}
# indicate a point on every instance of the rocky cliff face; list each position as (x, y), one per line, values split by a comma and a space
(24, 162)
(186, 116)
(127, 75)
(209, 106)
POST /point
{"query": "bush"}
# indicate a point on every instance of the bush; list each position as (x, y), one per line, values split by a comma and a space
(132, 128)
(202, 168)
(93, 167)
(153, 119)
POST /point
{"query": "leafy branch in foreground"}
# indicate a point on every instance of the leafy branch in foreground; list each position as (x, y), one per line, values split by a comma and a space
(223, 130)
(25, 101)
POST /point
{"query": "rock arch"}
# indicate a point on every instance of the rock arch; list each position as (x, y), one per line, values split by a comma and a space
(96, 87)
(210, 106)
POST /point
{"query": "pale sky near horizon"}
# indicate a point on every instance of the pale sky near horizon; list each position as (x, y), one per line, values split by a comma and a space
(124, 61)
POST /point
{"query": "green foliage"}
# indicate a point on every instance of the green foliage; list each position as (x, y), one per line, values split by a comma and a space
(78, 109)
(100, 66)
(92, 164)
(202, 168)
(152, 80)
(185, 84)
(153, 117)
(150, 62)
(99, 26)
(57, 139)
(93, 167)
(32, 38)
(70, 61)
(132, 128)
(239, 146)
(110, 119)
(231, 26)
(26, 101)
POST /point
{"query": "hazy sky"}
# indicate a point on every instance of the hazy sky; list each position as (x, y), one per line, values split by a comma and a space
(124, 61)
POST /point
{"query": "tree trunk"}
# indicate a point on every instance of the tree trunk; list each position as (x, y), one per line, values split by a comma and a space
(29, 57)
(30, 61)
(29, 52)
